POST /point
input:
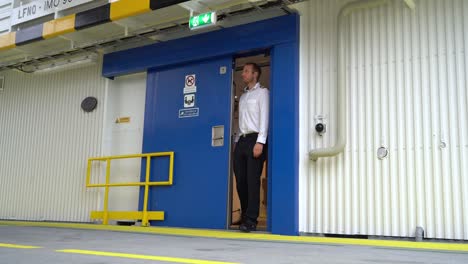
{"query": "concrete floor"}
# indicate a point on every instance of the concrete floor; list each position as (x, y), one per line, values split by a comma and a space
(154, 248)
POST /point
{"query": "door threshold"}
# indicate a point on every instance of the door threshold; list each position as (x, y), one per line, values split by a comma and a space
(261, 225)
(262, 228)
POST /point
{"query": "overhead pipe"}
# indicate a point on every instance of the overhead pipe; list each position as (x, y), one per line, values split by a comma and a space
(340, 144)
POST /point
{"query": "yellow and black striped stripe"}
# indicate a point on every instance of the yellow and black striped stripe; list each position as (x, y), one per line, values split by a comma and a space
(99, 15)
(7, 41)
(93, 17)
(29, 34)
(59, 26)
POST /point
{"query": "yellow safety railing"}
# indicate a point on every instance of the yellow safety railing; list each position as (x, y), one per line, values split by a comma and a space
(145, 215)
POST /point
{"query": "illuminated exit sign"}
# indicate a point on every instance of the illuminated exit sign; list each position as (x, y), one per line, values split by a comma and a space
(202, 20)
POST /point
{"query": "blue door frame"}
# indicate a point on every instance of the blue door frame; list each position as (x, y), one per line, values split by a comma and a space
(281, 35)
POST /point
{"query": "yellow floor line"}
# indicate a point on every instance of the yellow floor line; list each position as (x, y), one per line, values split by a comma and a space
(251, 236)
(17, 246)
(138, 256)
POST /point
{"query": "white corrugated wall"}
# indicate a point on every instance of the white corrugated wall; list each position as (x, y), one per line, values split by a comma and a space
(45, 140)
(406, 91)
(5, 13)
(126, 98)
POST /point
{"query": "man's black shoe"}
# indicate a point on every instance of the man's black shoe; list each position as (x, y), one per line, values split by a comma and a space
(247, 227)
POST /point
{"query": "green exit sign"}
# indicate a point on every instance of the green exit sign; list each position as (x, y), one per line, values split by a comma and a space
(203, 20)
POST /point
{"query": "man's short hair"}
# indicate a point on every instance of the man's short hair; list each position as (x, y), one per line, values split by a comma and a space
(255, 68)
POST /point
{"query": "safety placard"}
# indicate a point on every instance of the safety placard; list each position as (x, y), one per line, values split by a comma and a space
(190, 84)
(189, 112)
(189, 100)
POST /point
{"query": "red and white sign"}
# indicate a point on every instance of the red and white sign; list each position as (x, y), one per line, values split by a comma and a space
(190, 84)
(190, 80)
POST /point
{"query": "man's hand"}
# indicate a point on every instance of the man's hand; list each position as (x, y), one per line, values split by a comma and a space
(257, 150)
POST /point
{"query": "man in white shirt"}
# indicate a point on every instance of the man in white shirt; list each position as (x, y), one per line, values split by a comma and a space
(251, 149)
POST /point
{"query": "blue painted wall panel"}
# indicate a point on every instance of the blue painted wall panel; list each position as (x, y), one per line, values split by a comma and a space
(201, 47)
(284, 162)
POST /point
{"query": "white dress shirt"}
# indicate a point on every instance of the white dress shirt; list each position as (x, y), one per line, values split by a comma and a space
(254, 106)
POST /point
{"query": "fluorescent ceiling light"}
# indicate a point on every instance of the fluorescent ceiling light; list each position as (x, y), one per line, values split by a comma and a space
(68, 66)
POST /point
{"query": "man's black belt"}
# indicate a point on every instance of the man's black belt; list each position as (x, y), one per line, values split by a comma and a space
(249, 135)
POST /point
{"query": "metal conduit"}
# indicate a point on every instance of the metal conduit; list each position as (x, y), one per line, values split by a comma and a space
(340, 144)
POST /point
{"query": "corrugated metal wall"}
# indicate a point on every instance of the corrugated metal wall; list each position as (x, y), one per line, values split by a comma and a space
(45, 139)
(407, 91)
(126, 98)
(5, 14)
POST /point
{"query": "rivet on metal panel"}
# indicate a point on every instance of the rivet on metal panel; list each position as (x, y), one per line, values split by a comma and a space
(382, 152)
(442, 144)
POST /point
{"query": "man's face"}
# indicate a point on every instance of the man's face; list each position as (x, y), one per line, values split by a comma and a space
(248, 75)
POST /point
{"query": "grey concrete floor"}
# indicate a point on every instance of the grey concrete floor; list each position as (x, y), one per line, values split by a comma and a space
(194, 249)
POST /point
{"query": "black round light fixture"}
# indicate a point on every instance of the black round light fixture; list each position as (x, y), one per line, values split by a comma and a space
(89, 104)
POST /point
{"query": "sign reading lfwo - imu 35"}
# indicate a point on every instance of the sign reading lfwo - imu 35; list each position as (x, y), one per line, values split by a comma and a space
(41, 8)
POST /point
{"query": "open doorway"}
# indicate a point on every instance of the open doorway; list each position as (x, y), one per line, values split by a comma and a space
(263, 60)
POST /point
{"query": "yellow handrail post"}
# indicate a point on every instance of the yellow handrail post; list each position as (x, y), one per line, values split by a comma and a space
(106, 193)
(88, 173)
(144, 221)
(171, 167)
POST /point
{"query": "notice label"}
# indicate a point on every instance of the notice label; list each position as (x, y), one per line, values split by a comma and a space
(189, 112)
(189, 100)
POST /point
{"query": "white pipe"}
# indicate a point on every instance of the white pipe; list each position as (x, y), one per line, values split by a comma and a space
(340, 144)
(410, 3)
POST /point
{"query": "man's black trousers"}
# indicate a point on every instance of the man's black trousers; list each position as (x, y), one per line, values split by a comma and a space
(248, 171)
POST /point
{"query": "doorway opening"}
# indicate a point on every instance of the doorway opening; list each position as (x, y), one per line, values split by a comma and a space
(234, 218)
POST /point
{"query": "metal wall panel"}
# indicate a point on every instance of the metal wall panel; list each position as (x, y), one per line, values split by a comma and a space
(45, 141)
(406, 91)
(5, 14)
(126, 99)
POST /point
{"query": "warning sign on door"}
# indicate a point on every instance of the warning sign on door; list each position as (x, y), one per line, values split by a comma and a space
(190, 80)
(190, 84)
(190, 112)
(189, 100)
